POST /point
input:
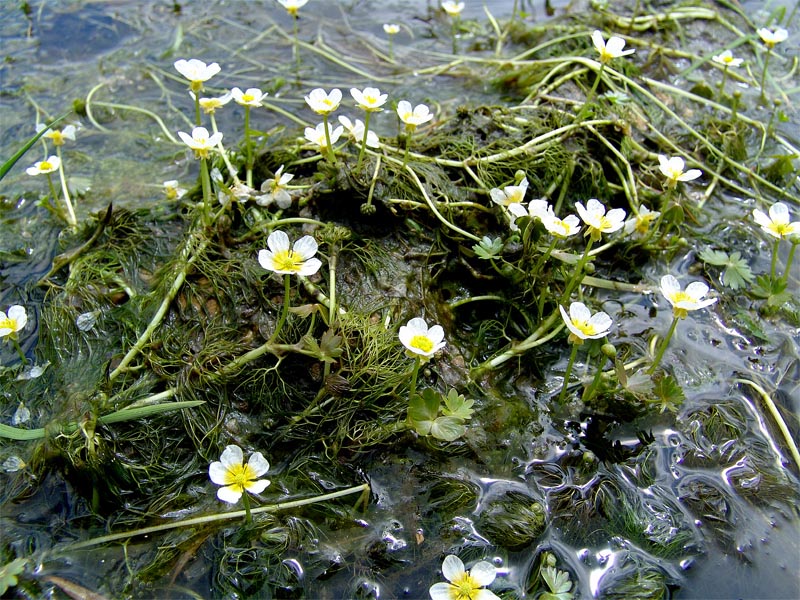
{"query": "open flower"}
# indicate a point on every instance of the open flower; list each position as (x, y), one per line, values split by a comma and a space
(611, 49)
(561, 228)
(582, 324)
(292, 6)
(12, 321)
(770, 38)
(316, 135)
(370, 99)
(250, 97)
(777, 223)
(452, 8)
(413, 117)
(287, 259)
(391, 28)
(200, 141)
(726, 59)
(211, 105)
(683, 301)
(323, 103)
(597, 220)
(673, 169)
(196, 71)
(236, 477)
(43, 167)
(536, 209)
(356, 132)
(420, 340)
(58, 136)
(172, 190)
(640, 222)
(275, 190)
(510, 194)
(464, 585)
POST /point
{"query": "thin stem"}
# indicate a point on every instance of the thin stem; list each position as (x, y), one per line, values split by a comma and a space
(408, 145)
(764, 76)
(205, 179)
(328, 145)
(724, 79)
(248, 147)
(663, 346)
(70, 211)
(363, 140)
(567, 373)
(221, 150)
(248, 518)
(285, 312)
(295, 49)
(774, 263)
(14, 341)
(197, 119)
(576, 277)
(788, 267)
(590, 391)
(412, 388)
(53, 194)
(590, 96)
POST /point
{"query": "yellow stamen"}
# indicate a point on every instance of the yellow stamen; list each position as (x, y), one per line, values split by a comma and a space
(421, 342)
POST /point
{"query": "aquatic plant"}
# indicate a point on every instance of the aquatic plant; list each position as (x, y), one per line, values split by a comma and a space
(463, 584)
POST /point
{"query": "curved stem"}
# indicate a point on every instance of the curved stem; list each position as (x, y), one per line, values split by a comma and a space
(17, 347)
(285, 312)
(70, 211)
(788, 267)
(567, 373)
(764, 76)
(663, 346)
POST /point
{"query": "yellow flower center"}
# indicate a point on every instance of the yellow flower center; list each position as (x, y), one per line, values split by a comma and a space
(782, 229)
(58, 138)
(681, 296)
(45, 166)
(605, 56)
(585, 327)
(464, 587)
(7, 323)
(239, 476)
(248, 97)
(196, 85)
(421, 342)
(286, 260)
(643, 222)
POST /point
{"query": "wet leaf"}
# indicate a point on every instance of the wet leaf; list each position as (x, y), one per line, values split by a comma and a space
(456, 406)
(423, 409)
(737, 273)
(667, 393)
(448, 428)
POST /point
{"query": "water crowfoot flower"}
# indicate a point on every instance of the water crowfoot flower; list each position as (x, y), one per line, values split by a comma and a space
(778, 225)
(356, 132)
(11, 323)
(58, 137)
(727, 60)
(391, 30)
(412, 118)
(251, 98)
(46, 167)
(236, 477)
(197, 72)
(611, 49)
(422, 343)
(321, 136)
(370, 100)
(510, 194)
(453, 9)
(172, 190)
(292, 6)
(583, 325)
(275, 189)
(682, 301)
(324, 104)
(463, 584)
(202, 143)
(770, 39)
(673, 169)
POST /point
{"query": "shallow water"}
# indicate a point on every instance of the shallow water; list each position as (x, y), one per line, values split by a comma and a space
(701, 503)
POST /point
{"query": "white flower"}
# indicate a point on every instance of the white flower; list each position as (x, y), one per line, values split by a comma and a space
(511, 194)
(323, 103)
(464, 585)
(356, 131)
(48, 165)
(275, 190)
(172, 190)
(58, 137)
(413, 117)
(537, 209)
(12, 321)
(285, 259)
(683, 301)
(561, 228)
(419, 339)
(673, 169)
(250, 97)
(640, 222)
(196, 71)
(370, 99)
(770, 38)
(452, 8)
(235, 476)
(391, 28)
(200, 141)
(582, 324)
(777, 223)
(316, 135)
(292, 6)
(598, 221)
(211, 105)
(611, 49)
(726, 59)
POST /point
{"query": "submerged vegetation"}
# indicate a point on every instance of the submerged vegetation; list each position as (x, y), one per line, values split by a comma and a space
(481, 334)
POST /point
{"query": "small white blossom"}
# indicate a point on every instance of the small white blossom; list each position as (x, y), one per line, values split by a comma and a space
(356, 132)
(611, 49)
(201, 141)
(420, 340)
(726, 59)
(771, 38)
(452, 8)
(582, 324)
(370, 99)
(778, 223)
(598, 221)
(196, 71)
(316, 135)
(324, 103)
(683, 301)
(275, 190)
(413, 117)
(673, 169)
(463, 584)
(251, 97)
(236, 477)
(43, 167)
(287, 259)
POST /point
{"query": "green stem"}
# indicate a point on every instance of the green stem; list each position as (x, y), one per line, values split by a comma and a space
(285, 312)
(391, 47)
(724, 79)
(248, 518)
(70, 211)
(590, 391)
(329, 146)
(412, 388)
(53, 193)
(205, 179)
(197, 118)
(774, 262)
(248, 146)
(295, 49)
(567, 373)
(14, 341)
(788, 267)
(590, 96)
(270, 508)
(408, 144)
(221, 150)
(663, 346)
(576, 277)
(764, 76)
(363, 140)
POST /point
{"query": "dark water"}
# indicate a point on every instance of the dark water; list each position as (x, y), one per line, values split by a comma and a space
(707, 508)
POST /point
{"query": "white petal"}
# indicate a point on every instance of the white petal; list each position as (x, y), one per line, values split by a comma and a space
(256, 487)
(306, 247)
(669, 285)
(442, 591)
(232, 456)
(452, 567)
(779, 213)
(483, 573)
(310, 267)
(696, 290)
(486, 595)
(761, 218)
(436, 334)
(258, 464)
(278, 241)
(265, 257)
(579, 313)
(217, 473)
(17, 313)
(229, 495)
(417, 325)
(598, 41)
(601, 322)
